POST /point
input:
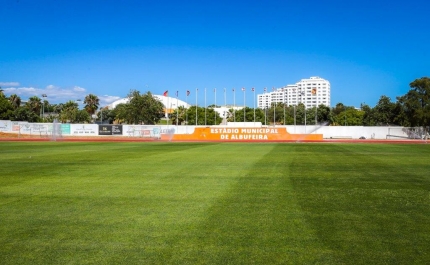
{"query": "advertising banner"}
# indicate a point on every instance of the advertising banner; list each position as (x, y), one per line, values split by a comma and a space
(240, 134)
(243, 133)
(40, 128)
(5, 126)
(84, 129)
(17, 125)
(148, 131)
(110, 129)
(65, 128)
(116, 129)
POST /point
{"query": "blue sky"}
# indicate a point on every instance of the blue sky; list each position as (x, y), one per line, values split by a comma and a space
(68, 49)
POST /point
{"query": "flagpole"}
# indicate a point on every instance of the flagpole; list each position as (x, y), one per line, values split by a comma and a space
(244, 105)
(265, 107)
(225, 99)
(197, 92)
(283, 100)
(316, 107)
(302, 94)
(186, 112)
(274, 113)
(215, 106)
(205, 106)
(177, 108)
(225, 106)
(165, 113)
(234, 105)
(253, 89)
(168, 101)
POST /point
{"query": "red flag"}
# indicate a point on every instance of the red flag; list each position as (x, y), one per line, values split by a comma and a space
(166, 93)
(188, 93)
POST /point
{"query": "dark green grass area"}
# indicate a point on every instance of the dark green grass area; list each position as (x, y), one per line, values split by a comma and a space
(214, 203)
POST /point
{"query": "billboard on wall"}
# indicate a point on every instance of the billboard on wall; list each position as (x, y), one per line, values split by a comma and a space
(110, 129)
(240, 134)
(149, 131)
(84, 129)
(65, 128)
(5, 126)
(40, 128)
(16, 125)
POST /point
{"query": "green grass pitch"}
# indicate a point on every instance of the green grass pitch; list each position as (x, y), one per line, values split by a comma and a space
(214, 203)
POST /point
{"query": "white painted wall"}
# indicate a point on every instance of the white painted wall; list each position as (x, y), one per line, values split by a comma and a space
(352, 132)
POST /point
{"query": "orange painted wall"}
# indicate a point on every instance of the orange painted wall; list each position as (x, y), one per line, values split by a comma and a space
(226, 134)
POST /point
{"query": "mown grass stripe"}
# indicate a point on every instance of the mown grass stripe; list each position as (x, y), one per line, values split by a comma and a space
(171, 203)
(363, 199)
(258, 221)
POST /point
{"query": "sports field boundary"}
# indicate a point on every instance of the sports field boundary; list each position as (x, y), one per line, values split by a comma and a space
(4, 138)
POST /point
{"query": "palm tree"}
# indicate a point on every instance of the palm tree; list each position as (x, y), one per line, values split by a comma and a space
(69, 111)
(91, 103)
(15, 100)
(34, 104)
(57, 108)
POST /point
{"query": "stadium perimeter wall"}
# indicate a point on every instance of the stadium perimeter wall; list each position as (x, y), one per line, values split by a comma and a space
(151, 131)
(350, 132)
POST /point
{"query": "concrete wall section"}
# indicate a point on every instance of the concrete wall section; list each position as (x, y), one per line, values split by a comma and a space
(351, 132)
(155, 131)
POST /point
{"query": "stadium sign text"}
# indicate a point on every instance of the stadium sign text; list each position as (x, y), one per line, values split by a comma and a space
(243, 133)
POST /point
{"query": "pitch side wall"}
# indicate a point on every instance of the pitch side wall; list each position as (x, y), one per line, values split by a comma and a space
(347, 132)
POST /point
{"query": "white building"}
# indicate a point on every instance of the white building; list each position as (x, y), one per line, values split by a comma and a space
(224, 110)
(169, 102)
(311, 92)
(174, 102)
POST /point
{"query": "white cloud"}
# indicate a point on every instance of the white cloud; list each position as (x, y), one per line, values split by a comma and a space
(57, 94)
(106, 100)
(51, 87)
(21, 91)
(109, 99)
(79, 89)
(54, 93)
(9, 84)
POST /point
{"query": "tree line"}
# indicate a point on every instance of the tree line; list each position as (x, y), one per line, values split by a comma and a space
(38, 110)
(409, 110)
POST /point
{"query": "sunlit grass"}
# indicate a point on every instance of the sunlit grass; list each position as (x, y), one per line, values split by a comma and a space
(194, 203)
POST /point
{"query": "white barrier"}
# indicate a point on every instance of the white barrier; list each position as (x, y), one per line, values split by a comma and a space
(155, 131)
